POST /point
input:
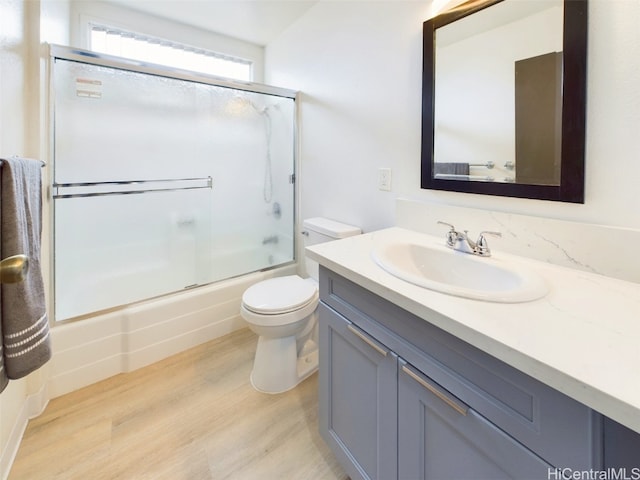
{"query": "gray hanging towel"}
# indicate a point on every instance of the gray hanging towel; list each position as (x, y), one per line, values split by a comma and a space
(4, 380)
(457, 168)
(24, 326)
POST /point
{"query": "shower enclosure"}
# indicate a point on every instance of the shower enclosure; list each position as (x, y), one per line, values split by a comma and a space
(164, 180)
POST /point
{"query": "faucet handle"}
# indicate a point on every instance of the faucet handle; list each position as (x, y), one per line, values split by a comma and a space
(452, 235)
(482, 247)
(447, 224)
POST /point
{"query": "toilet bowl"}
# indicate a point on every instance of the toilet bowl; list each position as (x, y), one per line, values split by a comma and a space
(282, 311)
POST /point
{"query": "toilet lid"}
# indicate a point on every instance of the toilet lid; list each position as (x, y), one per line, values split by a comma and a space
(279, 295)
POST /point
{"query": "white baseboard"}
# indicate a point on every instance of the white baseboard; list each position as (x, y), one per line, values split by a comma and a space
(32, 407)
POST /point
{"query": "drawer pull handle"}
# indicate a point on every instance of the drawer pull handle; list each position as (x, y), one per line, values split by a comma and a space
(364, 337)
(453, 402)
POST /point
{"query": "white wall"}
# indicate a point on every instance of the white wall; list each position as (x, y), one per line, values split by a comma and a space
(359, 66)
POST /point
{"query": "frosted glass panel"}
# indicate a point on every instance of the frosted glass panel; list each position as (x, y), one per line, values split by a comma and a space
(114, 250)
(112, 124)
(117, 132)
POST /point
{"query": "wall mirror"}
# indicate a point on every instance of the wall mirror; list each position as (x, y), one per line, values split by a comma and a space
(504, 97)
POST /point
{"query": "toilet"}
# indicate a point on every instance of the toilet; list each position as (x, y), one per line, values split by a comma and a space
(282, 311)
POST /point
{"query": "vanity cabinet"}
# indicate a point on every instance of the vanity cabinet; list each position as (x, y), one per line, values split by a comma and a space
(385, 419)
(402, 399)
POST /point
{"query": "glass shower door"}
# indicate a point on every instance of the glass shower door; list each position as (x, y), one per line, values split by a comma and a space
(162, 184)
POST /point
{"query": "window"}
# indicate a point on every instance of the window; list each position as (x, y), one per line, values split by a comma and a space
(113, 41)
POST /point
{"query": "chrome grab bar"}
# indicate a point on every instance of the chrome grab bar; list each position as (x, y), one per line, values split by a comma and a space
(42, 162)
(455, 176)
(488, 165)
(124, 187)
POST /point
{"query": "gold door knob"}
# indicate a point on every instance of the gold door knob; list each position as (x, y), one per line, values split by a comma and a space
(14, 269)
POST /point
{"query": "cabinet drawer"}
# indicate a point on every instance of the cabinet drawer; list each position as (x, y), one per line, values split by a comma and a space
(562, 431)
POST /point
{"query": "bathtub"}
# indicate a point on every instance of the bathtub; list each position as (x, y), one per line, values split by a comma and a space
(106, 276)
(126, 338)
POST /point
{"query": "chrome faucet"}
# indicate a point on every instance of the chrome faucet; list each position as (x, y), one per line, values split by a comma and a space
(461, 241)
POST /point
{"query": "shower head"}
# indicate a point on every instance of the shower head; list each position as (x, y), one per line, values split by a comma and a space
(260, 110)
(240, 105)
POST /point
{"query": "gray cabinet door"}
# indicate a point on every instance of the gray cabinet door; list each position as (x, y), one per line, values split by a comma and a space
(441, 438)
(358, 401)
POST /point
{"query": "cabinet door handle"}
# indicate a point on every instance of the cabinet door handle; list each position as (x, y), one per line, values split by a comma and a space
(443, 395)
(368, 340)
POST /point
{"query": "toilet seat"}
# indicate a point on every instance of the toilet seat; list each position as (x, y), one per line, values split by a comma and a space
(279, 320)
(280, 295)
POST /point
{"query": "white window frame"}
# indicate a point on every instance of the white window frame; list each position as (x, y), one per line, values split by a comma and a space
(137, 46)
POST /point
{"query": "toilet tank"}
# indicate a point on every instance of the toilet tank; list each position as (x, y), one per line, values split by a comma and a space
(319, 230)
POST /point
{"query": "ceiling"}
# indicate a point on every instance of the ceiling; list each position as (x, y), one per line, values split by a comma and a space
(255, 21)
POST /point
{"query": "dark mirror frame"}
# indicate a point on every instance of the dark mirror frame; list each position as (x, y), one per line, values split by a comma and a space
(571, 188)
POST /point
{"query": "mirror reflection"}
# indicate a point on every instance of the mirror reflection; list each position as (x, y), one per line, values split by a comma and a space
(498, 94)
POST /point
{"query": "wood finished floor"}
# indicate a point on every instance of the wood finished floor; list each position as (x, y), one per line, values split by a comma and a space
(192, 416)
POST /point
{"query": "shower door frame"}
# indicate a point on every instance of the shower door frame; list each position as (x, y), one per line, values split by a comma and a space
(104, 60)
(99, 59)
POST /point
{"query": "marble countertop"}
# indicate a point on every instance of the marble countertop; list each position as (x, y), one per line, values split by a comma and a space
(582, 338)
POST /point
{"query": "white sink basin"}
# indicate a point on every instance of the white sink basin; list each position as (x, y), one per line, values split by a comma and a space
(455, 273)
